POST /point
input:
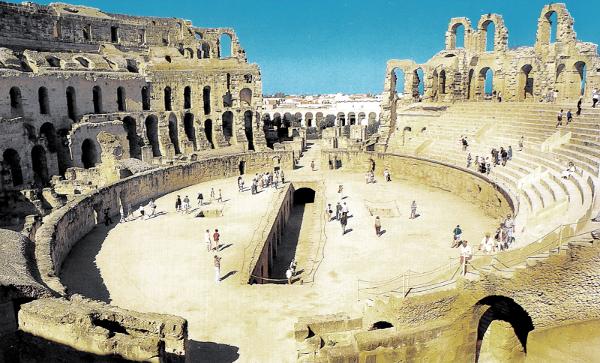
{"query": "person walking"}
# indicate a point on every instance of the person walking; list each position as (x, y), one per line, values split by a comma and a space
(312, 165)
(377, 226)
(338, 210)
(521, 143)
(200, 199)
(288, 274)
(345, 210)
(569, 117)
(217, 262)
(466, 253)
(220, 199)
(579, 106)
(341, 191)
(216, 238)
(509, 153)
(208, 240)
(212, 194)
(469, 160)
(186, 204)
(413, 209)
(457, 236)
(344, 223)
(595, 97)
(178, 204)
(559, 118)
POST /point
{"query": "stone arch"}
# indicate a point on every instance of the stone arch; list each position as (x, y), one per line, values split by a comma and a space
(71, 103)
(526, 83)
(398, 79)
(442, 82)
(248, 115)
(206, 99)
(48, 132)
(89, 154)
(12, 160)
(351, 118)
(43, 101)
(308, 119)
(454, 28)
(208, 132)
(151, 125)
(580, 69)
(492, 39)
(187, 97)
(496, 307)
(39, 165)
(174, 132)
(168, 99)
(130, 126)
(204, 50)
(361, 118)
(287, 120)
(485, 81)
(97, 99)
(564, 25)
(470, 84)
(246, 97)
(418, 84)
(121, 99)
(145, 98)
(190, 129)
(16, 102)
(372, 117)
(319, 119)
(277, 122)
(225, 45)
(227, 123)
(297, 118)
(341, 119)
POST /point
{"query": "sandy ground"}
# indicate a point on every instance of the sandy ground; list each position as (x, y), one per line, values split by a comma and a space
(162, 265)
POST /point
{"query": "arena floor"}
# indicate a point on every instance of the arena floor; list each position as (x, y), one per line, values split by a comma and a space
(162, 265)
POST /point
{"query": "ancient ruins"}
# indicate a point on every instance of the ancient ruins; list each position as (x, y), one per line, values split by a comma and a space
(108, 121)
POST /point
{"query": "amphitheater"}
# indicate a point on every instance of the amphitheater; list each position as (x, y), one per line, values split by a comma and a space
(105, 115)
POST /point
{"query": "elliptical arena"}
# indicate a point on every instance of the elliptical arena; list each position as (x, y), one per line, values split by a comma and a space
(104, 116)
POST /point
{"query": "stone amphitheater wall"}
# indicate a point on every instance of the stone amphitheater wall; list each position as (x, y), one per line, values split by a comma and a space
(62, 229)
(472, 187)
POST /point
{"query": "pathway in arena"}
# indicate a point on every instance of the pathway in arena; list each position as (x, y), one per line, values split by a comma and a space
(162, 265)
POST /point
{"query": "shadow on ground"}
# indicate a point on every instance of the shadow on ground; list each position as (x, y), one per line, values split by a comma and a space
(211, 352)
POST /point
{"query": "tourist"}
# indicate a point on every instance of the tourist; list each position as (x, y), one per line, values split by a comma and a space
(212, 194)
(208, 240)
(220, 199)
(457, 236)
(240, 184)
(152, 208)
(521, 142)
(122, 214)
(386, 175)
(312, 165)
(178, 204)
(567, 173)
(186, 204)
(217, 261)
(345, 210)
(469, 159)
(142, 212)
(487, 244)
(282, 177)
(343, 223)
(338, 210)
(377, 226)
(341, 191)
(216, 238)
(595, 97)
(464, 142)
(499, 238)
(569, 117)
(413, 209)
(559, 118)
(466, 253)
(499, 96)
(254, 186)
(509, 152)
(288, 274)
(578, 113)
(504, 156)
(107, 219)
(200, 199)
(488, 166)
(328, 212)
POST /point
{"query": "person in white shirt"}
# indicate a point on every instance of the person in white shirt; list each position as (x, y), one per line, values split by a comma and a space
(487, 244)
(466, 253)
(207, 240)
(288, 275)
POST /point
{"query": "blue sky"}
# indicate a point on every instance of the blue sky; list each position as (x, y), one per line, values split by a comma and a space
(328, 46)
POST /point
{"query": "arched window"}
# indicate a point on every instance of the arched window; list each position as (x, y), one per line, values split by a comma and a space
(145, 99)
(581, 69)
(489, 34)
(173, 133)
(552, 26)
(43, 101)
(16, 102)
(151, 124)
(13, 160)
(208, 132)
(39, 165)
(71, 103)
(398, 81)
(225, 46)
(86, 32)
(187, 97)
(459, 35)
(206, 99)
(228, 125)
(167, 96)
(97, 96)
(246, 97)
(89, 154)
(248, 129)
(442, 86)
(132, 137)
(121, 99)
(190, 129)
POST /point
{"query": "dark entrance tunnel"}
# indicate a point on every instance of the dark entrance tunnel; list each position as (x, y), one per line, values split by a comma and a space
(303, 196)
(505, 309)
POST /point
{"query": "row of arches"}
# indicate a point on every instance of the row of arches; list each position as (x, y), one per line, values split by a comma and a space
(310, 119)
(17, 107)
(481, 82)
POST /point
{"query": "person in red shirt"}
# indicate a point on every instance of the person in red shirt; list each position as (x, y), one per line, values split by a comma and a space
(216, 237)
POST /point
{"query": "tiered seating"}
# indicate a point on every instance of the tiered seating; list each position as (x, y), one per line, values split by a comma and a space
(547, 200)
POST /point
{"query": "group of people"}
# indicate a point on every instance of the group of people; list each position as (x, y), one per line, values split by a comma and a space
(340, 214)
(370, 176)
(560, 116)
(485, 164)
(501, 241)
(264, 180)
